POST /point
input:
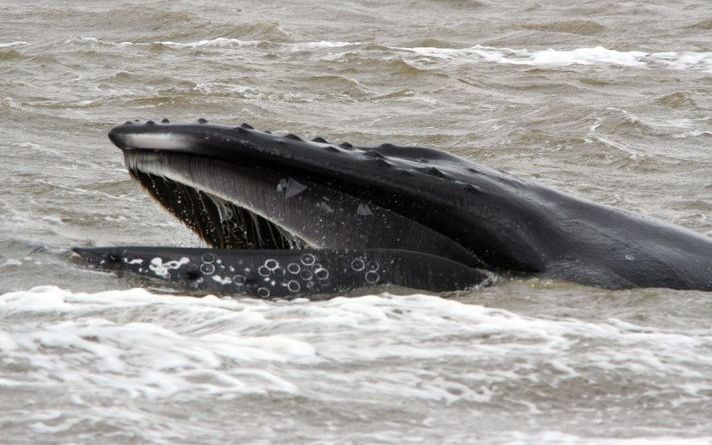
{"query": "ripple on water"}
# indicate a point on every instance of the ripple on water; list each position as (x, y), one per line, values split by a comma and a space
(678, 100)
(582, 27)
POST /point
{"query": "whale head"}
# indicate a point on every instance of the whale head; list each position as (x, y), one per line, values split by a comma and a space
(241, 188)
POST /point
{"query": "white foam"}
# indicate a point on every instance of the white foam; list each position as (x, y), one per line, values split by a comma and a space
(223, 42)
(217, 42)
(144, 359)
(227, 88)
(586, 56)
(560, 438)
(6, 342)
(11, 262)
(579, 56)
(684, 60)
(551, 57)
(389, 351)
(12, 44)
(323, 44)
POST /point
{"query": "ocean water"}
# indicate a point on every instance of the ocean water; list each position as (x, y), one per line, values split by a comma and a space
(607, 100)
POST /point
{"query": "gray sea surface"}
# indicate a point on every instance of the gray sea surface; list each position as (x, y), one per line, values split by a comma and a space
(607, 100)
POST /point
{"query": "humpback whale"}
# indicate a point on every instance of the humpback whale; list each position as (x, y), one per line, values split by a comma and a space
(285, 217)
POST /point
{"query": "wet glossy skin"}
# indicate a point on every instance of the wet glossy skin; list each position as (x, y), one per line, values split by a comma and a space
(507, 225)
(284, 273)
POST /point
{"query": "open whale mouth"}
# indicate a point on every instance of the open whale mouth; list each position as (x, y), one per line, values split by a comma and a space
(280, 218)
(220, 222)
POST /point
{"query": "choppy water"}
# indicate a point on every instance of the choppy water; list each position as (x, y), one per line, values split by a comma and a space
(608, 100)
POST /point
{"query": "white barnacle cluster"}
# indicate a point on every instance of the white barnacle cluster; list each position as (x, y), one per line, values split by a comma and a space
(286, 278)
(211, 266)
(207, 266)
(369, 269)
(137, 262)
(306, 272)
(162, 269)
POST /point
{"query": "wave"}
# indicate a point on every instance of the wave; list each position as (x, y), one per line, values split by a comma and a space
(138, 348)
(599, 55)
(219, 42)
(12, 44)
(181, 341)
(581, 27)
(561, 438)
(548, 58)
(579, 56)
(323, 44)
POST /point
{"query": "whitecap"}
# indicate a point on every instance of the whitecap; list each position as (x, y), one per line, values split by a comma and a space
(579, 56)
(560, 438)
(692, 134)
(324, 44)
(12, 44)
(548, 57)
(217, 42)
(11, 262)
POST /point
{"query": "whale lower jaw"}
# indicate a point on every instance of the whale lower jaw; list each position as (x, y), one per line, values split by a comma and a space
(265, 273)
